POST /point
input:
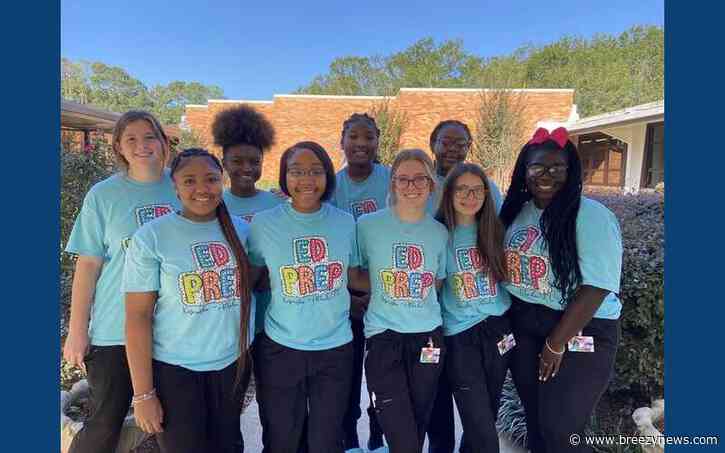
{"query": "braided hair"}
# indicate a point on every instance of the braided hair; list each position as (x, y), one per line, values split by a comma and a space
(362, 118)
(441, 125)
(558, 221)
(243, 266)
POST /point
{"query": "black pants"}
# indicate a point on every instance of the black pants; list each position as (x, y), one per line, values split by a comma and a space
(403, 388)
(201, 409)
(562, 405)
(353, 413)
(441, 427)
(289, 382)
(477, 370)
(110, 388)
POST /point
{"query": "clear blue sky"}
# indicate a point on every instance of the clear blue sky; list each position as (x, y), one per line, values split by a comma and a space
(253, 50)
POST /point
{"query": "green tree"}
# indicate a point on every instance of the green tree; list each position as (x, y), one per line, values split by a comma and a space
(499, 132)
(392, 124)
(113, 88)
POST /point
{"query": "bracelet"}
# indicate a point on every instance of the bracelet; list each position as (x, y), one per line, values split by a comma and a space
(551, 350)
(143, 397)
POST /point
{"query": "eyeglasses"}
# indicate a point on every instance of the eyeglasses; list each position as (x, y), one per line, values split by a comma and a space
(419, 182)
(463, 192)
(460, 144)
(538, 170)
(299, 173)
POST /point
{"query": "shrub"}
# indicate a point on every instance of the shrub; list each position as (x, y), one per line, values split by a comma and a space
(79, 171)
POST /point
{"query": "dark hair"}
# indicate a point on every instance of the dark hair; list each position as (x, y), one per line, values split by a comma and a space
(243, 267)
(441, 125)
(326, 164)
(130, 117)
(558, 221)
(242, 125)
(489, 229)
(362, 118)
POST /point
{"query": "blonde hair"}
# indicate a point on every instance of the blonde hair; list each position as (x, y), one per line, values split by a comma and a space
(121, 125)
(405, 155)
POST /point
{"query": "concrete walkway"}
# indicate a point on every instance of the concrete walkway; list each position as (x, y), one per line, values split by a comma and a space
(252, 431)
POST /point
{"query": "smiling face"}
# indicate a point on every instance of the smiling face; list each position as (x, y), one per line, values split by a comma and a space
(243, 164)
(469, 194)
(306, 180)
(360, 143)
(451, 147)
(546, 174)
(141, 147)
(199, 184)
(411, 184)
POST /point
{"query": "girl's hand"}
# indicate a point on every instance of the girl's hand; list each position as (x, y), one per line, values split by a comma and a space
(550, 361)
(149, 415)
(279, 193)
(75, 349)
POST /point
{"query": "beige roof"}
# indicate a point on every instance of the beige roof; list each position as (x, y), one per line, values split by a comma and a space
(644, 113)
(86, 117)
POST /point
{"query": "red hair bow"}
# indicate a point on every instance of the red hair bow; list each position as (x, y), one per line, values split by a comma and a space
(560, 135)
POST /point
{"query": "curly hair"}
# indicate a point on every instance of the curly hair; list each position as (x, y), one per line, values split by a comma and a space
(242, 125)
(558, 221)
(360, 117)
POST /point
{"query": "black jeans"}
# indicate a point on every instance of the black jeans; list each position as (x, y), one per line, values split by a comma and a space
(109, 382)
(562, 405)
(477, 370)
(289, 381)
(403, 388)
(201, 409)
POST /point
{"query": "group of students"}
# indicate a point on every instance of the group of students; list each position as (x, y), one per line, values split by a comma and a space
(420, 274)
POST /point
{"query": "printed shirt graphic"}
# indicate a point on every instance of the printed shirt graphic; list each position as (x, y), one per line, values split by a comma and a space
(404, 261)
(112, 211)
(358, 198)
(193, 268)
(435, 198)
(246, 208)
(470, 294)
(308, 256)
(599, 244)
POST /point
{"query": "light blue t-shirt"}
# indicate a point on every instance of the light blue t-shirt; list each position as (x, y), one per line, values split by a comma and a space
(435, 198)
(246, 208)
(599, 245)
(308, 256)
(404, 261)
(358, 198)
(470, 293)
(112, 211)
(193, 268)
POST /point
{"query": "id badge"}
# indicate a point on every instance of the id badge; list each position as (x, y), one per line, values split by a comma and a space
(581, 343)
(430, 354)
(506, 344)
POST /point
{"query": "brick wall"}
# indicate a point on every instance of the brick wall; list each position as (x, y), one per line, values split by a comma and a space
(320, 118)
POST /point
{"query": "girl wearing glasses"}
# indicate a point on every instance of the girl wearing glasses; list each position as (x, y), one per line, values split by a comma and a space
(564, 260)
(361, 188)
(304, 357)
(473, 304)
(404, 249)
(450, 142)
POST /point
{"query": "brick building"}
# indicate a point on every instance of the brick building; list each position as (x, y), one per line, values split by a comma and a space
(320, 118)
